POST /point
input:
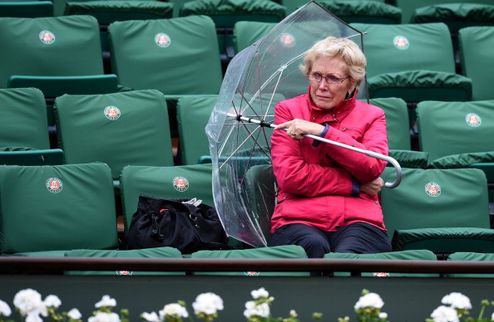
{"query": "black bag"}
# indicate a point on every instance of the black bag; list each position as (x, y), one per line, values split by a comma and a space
(176, 223)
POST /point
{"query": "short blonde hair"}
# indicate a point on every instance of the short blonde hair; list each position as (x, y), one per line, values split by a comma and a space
(342, 48)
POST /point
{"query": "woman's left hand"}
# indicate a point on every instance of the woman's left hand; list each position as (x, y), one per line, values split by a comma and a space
(297, 128)
(372, 188)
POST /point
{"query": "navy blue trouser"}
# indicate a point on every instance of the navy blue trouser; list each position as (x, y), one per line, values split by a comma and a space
(359, 238)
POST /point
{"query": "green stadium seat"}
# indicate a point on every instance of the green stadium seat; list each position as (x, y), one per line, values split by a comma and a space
(442, 210)
(363, 11)
(414, 62)
(416, 254)
(107, 12)
(225, 13)
(456, 15)
(292, 5)
(471, 257)
(245, 33)
(455, 128)
(177, 56)
(399, 132)
(120, 129)
(26, 9)
(42, 48)
(409, 7)
(476, 49)
(56, 208)
(24, 134)
(260, 188)
(275, 252)
(158, 252)
(172, 182)
(193, 112)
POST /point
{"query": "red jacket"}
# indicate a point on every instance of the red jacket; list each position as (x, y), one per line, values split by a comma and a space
(315, 182)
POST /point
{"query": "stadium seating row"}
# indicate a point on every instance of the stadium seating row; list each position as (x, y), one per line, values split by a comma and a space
(415, 67)
(133, 128)
(53, 210)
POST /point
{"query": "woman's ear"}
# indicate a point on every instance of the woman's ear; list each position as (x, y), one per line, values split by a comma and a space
(351, 92)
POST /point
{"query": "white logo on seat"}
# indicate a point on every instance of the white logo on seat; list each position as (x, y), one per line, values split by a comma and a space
(401, 42)
(180, 184)
(54, 185)
(433, 189)
(112, 113)
(473, 120)
(287, 40)
(47, 37)
(162, 40)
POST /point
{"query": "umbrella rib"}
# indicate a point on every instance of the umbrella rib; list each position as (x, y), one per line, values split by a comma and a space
(239, 146)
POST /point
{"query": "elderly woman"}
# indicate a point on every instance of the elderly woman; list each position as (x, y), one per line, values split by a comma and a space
(328, 195)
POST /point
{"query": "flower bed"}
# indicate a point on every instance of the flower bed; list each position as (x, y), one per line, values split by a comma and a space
(30, 307)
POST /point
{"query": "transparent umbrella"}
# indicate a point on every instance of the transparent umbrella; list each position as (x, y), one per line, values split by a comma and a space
(240, 126)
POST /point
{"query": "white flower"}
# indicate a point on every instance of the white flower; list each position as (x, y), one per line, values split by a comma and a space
(4, 309)
(52, 301)
(457, 300)
(74, 314)
(106, 301)
(369, 300)
(173, 309)
(207, 303)
(293, 313)
(444, 314)
(104, 317)
(492, 317)
(383, 315)
(28, 302)
(253, 309)
(259, 293)
(150, 317)
(33, 317)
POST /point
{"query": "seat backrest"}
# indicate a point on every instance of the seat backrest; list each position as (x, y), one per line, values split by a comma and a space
(260, 187)
(23, 119)
(409, 6)
(434, 198)
(446, 128)
(173, 182)
(225, 13)
(397, 121)
(107, 12)
(26, 9)
(125, 128)
(193, 112)
(44, 208)
(394, 48)
(476, 52)
(245, 33)
(177, 56)
(50, 46)
(363, 11)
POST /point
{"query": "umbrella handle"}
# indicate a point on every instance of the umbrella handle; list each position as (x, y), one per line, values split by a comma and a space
(396, 165)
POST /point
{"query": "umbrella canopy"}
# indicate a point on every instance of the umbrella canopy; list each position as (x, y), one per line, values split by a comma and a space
(256, 79)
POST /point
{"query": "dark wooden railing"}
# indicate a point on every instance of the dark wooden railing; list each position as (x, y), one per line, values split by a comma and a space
(57, 265)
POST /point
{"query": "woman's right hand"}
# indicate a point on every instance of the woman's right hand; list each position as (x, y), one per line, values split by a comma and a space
(297, 128)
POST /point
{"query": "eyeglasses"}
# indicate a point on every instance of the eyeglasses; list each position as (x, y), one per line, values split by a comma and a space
(330, 79)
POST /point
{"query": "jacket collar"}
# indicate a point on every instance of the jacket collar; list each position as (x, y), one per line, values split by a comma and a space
(335, 114)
